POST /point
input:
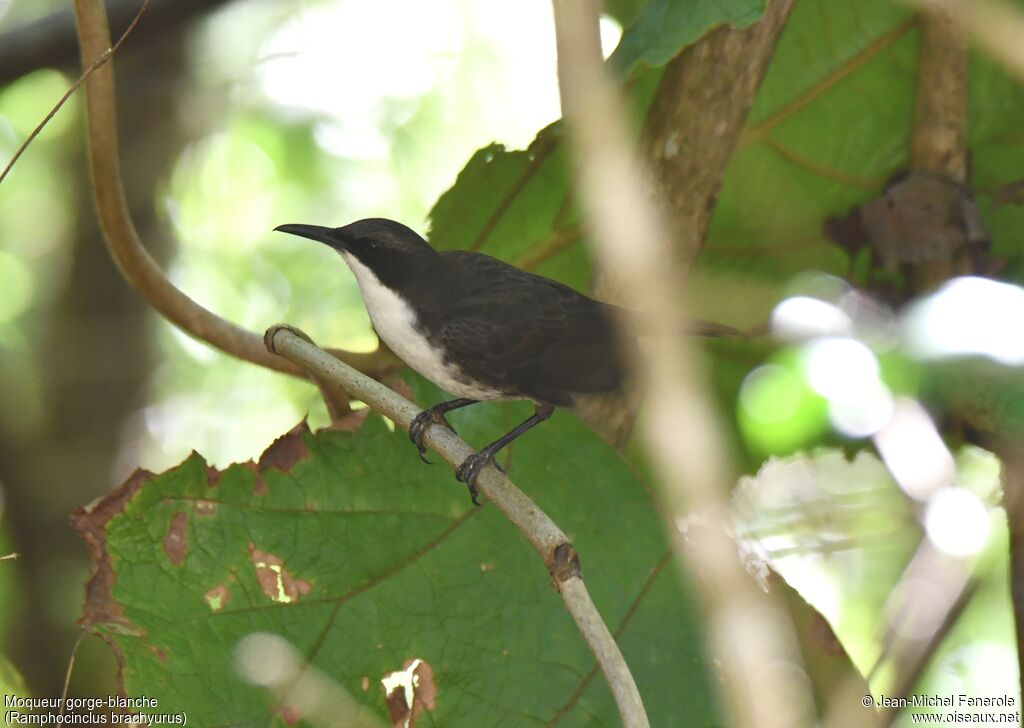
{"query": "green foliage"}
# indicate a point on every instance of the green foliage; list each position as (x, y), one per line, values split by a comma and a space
(515, 205)
(830, 125)
(384, 558)
(665, 27)
(370, 558)
(778, 412)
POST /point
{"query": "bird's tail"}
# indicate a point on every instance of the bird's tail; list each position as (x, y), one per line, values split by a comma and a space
(699, 327)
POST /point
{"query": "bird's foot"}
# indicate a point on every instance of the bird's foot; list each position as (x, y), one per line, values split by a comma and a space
(469, 470)
(418, 428)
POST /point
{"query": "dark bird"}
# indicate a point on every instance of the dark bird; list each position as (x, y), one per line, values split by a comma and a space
(476, 327)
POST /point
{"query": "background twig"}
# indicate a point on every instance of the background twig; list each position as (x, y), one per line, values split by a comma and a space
(106, 56)
(938, 138)
(545, 536)
(764, 681)
(51, 41)
(122, 239)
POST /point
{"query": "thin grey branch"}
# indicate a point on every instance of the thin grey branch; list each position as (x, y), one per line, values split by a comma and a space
(545, 536)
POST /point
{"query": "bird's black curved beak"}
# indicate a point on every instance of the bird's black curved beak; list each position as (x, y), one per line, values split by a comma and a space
(318, 233)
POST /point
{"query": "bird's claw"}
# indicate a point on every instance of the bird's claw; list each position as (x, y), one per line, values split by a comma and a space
(418, 429)
(470, 469)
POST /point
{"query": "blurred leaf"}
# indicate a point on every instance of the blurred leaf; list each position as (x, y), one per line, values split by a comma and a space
(24, 103)
(10, 680)
(778, 412)
(985, 396)
(841, 532)
(666, 27)
(363, 558)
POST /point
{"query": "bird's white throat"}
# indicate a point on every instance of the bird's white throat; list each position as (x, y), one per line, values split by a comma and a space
(396, 323)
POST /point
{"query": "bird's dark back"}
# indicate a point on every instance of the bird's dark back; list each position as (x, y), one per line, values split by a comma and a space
(551, 341)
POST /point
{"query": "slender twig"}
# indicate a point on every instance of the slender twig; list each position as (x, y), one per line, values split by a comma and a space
(51, 41)
(545, 536)
(122, 239)
(71, 668)
(104, 57)
(748, 633)
(913, 662)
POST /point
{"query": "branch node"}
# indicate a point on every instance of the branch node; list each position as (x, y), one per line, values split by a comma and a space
(272, 332)
(564, 563)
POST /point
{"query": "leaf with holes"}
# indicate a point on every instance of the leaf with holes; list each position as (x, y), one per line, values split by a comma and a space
(374, 567)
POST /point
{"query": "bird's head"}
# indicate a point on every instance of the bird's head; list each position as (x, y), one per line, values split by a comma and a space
(388, 248)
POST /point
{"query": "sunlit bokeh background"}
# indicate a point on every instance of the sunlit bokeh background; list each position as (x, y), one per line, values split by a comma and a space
(279, 112)
(263, 113)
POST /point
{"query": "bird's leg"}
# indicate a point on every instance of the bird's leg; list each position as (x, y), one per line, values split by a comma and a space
(471, 466)
(433, 416)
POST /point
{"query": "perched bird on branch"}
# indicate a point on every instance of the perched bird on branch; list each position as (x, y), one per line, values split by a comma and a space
(479, 328)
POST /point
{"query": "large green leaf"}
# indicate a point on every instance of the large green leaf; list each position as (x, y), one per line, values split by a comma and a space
(830, 125)
(363, 558)
(517, 204)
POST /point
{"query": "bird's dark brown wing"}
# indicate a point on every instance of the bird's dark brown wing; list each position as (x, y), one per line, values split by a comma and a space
(551, 343)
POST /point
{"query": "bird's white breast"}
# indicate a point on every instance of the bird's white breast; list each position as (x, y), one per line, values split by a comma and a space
(396, 323)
